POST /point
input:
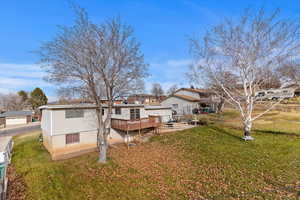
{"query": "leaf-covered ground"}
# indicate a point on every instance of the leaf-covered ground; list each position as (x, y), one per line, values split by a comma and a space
(208, 162)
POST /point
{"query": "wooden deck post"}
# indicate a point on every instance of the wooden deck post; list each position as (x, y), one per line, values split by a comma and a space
(140, 127)
(127, 136)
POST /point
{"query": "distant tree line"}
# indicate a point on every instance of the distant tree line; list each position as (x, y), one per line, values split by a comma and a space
(23, 100)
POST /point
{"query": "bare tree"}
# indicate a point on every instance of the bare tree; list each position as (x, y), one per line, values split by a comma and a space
(290, 73)
(9, 102)
(246, 48)
(172, 89)
(98, 61)
(157, 90)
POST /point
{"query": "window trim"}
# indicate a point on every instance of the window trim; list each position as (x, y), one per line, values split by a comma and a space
(69, 116)
(135, 114)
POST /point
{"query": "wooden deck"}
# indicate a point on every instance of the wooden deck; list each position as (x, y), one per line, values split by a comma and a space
(134, 125)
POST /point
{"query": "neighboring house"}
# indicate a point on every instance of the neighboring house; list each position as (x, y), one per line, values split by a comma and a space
(185, 100)
(70, 130)
(11, 118)
(146, 99)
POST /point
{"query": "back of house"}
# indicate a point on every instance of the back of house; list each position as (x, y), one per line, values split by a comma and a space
(70, 130)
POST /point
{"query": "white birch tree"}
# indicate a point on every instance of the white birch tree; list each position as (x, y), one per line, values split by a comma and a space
(249, 48)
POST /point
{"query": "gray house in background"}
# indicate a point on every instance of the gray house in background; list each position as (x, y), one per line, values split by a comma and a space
(185, 100)
(71, 130)
(11, 118)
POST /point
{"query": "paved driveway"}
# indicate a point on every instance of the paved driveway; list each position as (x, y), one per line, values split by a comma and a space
(12, 131)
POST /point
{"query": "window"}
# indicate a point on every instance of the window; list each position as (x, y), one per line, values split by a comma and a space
(102, 111)
(72, 138)
(118, 111)
(175, 106)
(134, 114)
(74, 113)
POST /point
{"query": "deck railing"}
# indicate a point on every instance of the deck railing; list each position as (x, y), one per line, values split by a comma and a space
(133, 125)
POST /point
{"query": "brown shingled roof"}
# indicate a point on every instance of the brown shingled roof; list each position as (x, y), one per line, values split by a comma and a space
(185, 97)
(196, 90)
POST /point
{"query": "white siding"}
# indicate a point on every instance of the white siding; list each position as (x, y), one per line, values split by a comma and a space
(16, 120)
(184, 107)
(166, 114)
(46, 121)
(125, 113)
(62, 125)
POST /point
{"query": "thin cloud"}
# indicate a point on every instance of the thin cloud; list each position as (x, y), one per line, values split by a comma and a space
(15, 77)
(21, 70)
(168, 73)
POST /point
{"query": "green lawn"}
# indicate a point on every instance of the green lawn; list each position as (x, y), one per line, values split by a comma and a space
(208, 162)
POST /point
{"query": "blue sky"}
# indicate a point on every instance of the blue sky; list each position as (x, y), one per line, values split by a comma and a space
(162, 27)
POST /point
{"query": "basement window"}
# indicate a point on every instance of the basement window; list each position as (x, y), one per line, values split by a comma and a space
(74, 113)
(72, 138)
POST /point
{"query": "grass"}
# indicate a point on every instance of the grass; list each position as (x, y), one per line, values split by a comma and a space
(208, 162)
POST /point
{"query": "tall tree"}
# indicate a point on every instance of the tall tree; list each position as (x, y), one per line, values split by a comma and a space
(97, 60)
(157, 90)
(172, 89)
(37, 98)
(250, 49)
(23, 95)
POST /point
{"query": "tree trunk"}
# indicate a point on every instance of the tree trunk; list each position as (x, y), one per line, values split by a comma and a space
(247, 130)
(101, 141)
(220, 105)
(103, 151)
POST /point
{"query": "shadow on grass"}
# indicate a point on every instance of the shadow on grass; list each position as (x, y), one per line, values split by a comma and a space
(277, 133)
(223, 131)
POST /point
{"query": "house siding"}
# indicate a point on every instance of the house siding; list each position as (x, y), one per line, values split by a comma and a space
(166, 114)
(125, 113)
(184, 107)
(63, 125)
(56, 126)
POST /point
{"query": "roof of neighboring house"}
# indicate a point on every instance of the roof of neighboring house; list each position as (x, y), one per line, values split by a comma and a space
(191, 99)
(16, 113)
(197, 90)
(156, 107)
(185, 97)
(85, 106)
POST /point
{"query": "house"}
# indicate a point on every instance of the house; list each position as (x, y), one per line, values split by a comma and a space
(71, 130)
(11, 118)
(186, 100)
(146, 99)
(6, 145)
